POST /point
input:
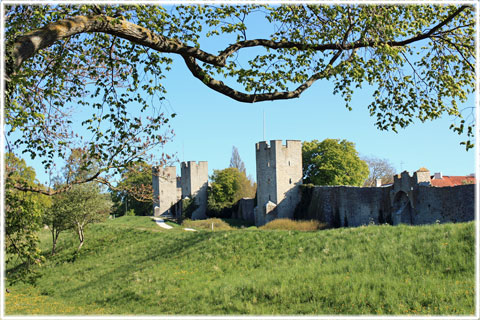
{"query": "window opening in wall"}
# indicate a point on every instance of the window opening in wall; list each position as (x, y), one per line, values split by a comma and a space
(268, 164)
(290, 180)
(288, 163)
(269, 198)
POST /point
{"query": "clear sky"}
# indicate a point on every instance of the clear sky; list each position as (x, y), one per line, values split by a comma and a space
(208, 124)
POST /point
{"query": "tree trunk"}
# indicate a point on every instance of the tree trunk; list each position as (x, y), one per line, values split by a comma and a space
(81, 238)
(54, 241)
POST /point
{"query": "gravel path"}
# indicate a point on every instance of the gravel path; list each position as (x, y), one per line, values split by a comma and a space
(160, 222)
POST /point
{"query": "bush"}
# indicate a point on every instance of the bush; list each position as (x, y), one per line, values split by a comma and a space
(218, 224)
(188, 207)
(287, 224)
(130, 213)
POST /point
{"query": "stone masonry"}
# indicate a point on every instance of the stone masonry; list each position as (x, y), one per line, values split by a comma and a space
(279, 175)
(165, 191)
(194, 183)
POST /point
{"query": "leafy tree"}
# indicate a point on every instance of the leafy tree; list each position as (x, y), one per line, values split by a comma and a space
(57, 218)
(227, 187)
(379, 169)
(23, 218)
(332, 162)
(79, 204)
(236, 161)
(419, 60)
(134, 191)
(83, 204)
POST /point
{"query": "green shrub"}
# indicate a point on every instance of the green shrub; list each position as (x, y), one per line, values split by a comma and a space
(287, 224)
(218, 224)
(130, 213)
(188, 207)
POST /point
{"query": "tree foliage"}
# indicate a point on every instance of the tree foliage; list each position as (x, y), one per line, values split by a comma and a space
(227, 187)
(332, 162)
(57, 218)
(82, 205)
(379, 169)
(23, 218)
(134, 191)
(110, 60)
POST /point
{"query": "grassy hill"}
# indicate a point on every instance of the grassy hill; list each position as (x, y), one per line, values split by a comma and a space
(132, 266)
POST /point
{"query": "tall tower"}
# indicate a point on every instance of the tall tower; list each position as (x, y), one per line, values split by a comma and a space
(279, 175)
(194, 185)
(165, 193)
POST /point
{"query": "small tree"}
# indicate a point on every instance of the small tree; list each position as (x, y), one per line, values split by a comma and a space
(57, 218)
(83, 205)
(236, 161)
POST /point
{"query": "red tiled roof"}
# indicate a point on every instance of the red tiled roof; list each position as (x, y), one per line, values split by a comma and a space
(450, 181)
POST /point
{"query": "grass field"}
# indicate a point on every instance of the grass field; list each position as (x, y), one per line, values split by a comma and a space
(131, 266)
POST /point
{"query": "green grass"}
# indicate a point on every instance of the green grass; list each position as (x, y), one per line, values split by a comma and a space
(125, 268)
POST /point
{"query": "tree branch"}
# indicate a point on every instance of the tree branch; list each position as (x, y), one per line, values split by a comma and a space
(27, 45)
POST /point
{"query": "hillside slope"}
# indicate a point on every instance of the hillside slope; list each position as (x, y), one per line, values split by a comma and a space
(130, 266)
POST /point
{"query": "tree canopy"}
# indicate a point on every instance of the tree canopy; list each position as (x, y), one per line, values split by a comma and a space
(332, 162)
(419, 59)
(23, 217)
(227, 187)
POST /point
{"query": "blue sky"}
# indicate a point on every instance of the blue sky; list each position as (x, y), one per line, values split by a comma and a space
(208, 124)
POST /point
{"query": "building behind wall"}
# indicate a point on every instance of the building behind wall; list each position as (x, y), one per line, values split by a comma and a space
(279, 175)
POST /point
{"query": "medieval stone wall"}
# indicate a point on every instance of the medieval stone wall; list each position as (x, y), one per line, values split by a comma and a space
(360, 206)
(446, 204)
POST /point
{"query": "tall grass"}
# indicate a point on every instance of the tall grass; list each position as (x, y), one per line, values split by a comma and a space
(211, 224)
(299, 225)
(427, 270)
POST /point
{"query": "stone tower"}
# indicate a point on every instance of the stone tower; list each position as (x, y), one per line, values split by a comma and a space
(165, 191)
(279, 175)
(194, 185)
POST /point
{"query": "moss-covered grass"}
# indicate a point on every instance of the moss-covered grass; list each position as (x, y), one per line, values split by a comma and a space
(124, 268)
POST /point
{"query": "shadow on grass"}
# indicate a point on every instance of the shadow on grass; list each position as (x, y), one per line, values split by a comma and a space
(238, 223)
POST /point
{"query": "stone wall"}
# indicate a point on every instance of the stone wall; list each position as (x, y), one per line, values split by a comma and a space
(244, 210)
(446, 204)
(355, 206)
(345, 206)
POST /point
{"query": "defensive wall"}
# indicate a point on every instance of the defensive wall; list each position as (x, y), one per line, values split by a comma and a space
(410, 200)
(169, 190)
(280, 194)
